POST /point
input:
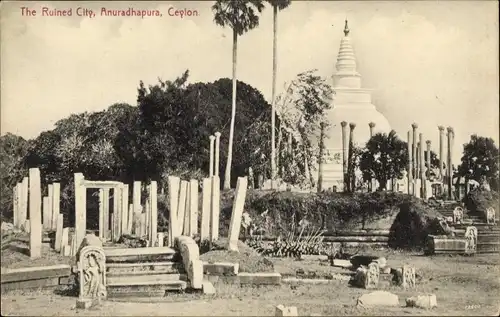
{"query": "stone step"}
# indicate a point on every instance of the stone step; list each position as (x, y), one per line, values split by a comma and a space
(144, 289)
(151, 254)
(488, 238)
(168, 266)
(149, 278)
(488, 247)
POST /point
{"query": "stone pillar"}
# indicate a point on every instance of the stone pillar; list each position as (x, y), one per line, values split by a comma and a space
(236, 215)
(80, 209)
(421, 165)
(410, 165)
(117, 211)
(105, 214)
(215, 209)
(125, 213)
(217, 152)
(15, 206)
(181, 208)
(428, 160)
(344, 154)
(56, 204)
(24, 200)
(193, 207)
(371, 125)
(441, 153)
(350, 166)
(205, 209)
(212, 145)
(449, 162)
(59, 229)
(153, 223)
(173, 193)
(47, 222)
(35, 208)
(102, 234)
(414, 152)
(51, 224)
(321, 156)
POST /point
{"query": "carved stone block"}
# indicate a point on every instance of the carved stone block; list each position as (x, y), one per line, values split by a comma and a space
(408, 277)
(490, 215)
(458, 215)
(471, 239)
(372, 276)
(91, 275)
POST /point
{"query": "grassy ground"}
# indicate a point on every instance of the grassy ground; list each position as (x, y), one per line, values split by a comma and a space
(463, 286)
(249, 260)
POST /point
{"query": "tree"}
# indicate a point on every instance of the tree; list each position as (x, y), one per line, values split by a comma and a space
(302, 108)
(13, 148)
(277, 5)
(240, 16)
(385, 157)
(480, 161)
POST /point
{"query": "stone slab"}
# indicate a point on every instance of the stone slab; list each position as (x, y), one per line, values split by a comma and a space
(207, 288)
(30, 284)
(221, 268)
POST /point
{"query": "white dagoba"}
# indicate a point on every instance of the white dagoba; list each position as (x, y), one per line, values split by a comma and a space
(352, 104)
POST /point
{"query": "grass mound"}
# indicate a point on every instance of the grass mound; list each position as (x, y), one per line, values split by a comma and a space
(249, 260)
(414, 222)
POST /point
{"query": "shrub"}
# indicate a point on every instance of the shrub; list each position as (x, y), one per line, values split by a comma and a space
(478, 200)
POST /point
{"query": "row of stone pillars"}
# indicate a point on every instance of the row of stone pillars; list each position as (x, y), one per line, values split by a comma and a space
(416, 167)
(125, 218)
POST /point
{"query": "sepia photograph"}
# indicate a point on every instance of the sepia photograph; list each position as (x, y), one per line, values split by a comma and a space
(250, 158)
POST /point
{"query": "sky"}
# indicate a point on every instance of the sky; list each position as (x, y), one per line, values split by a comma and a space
(429, 62)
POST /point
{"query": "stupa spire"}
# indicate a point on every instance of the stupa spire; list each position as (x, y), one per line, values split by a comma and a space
(347, 74)
(346, 28)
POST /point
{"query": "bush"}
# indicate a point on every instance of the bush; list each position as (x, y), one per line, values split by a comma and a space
(477, 200)
(412, 225)
(327, 211)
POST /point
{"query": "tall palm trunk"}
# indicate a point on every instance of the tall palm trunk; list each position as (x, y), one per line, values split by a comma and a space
(321, 155)
(273, 103)
(227, 174)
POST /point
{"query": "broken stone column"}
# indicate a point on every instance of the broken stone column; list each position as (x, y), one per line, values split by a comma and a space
(251, 179)
(414, 152)
(428, 158)
(181, 207)
(15, 205)
(215, 209)
(49, 207)
(344, 153)
(80, 208)
(410, 165)
(350, 166)
(125, 211)
(153, 198)
(23, 216)
(205, 209)
(449, 163)
(212, 145)
(105, 211)
(238, 206)
(371, 125)
(422, 301)
(173, 193)
(35, 208)
(193, 207)
(441, 153)
(46, 221)
(217, 152)
(421, 166)
(56, 203)
(59, 229)
(101, 213)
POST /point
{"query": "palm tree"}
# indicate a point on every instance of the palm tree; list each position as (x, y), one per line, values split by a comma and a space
(277, 5)
(240, 16)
